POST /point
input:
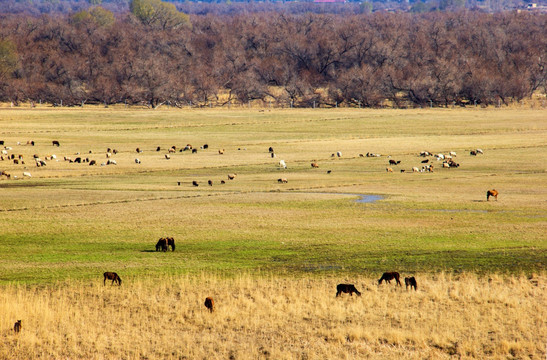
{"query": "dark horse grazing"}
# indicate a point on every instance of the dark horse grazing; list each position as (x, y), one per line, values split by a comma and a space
(164, 243)
(112, 276)
(410, 281)
(346, 288)
(210, 304)
(388, 276)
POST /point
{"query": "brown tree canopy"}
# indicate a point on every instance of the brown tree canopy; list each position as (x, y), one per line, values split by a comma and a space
(432, 59)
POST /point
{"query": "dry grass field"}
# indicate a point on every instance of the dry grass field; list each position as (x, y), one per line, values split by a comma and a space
(271, 253)
(449, 317)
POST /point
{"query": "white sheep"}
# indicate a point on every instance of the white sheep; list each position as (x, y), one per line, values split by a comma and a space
(27, 174)
(282, 164)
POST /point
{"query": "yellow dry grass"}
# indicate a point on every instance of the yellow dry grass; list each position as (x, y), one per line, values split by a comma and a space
(269, 317)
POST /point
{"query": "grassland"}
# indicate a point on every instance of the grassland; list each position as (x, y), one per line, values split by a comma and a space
(244, 240)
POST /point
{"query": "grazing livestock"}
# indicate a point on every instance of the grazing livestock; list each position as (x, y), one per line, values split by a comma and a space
(231, 176)
(393, 162)
(108, 154)
(270, 149)
(282, 180)
(138, 150)
(282, 164)
(92, 162)
(1, 142)
(425, 153)
(410, 281)
(158, 148)
(17, 326)
(194, 151)
(222, 182)
(314, 165)
(27, 174)
(167, 157)
(272, 155)
(195, 183)
(388, 169)
(210, 304)
(425, 161)
(403, 170)
(452, 153)
(329, 171)
(56, 143)
(172, 150)
(112, 276)
(161, 244)
(205, 146)
(221, 152)
(210, 182)
(479, 151)
(473, 152)
(388, 276)
(339, 154)
(493, 193)
(78, 160)
(346, 288)
(137, 161)
(111, 162)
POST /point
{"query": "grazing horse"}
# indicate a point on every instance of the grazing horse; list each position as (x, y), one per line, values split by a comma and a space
(112, 276)
(210, 304)
(346, 288)
(493, 193)
(388, 276)
(161, 244)
(17, 326)
(410, 281)
(56, 143)
(171, 242)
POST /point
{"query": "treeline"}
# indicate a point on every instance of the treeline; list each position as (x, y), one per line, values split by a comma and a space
(434, 59)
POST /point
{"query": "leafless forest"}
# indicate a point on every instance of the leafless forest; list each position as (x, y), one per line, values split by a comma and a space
(368, 60)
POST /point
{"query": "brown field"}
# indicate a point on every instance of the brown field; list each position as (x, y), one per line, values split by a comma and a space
(450, 316)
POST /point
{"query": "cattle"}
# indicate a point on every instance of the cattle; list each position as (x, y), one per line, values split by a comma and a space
(194, 151)
(195, 183)
(210, 182)
(388, 276)
(272, 155)
(446, 165)
(314, 165)
(393, 162)
(346, 288)
(282, 164)
(282, 180)
(339, 154)
(16, 161)
(221, 151)
(473, 153)
(137, 161)
(3, 173)
(411, 281)
(108, 154)
(56, 143)
(425, 161)
(78, 160)
(158, 148)
(172, 150)
(17, 326)
(205, 146)
(493, 193)
(452, 153)
(111, 162)
(231, 176)
(329, 171)
(403, 170)
(1, 142)
(138, 150)
(114, 151)
(27, 174)
(92, 162)
(479, 151)
(112, 276)
(270, 149)
(210, 304)
(222, 182)
(167, 157)
(388, 169)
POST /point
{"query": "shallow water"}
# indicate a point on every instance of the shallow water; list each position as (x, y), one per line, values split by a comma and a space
(368, 198)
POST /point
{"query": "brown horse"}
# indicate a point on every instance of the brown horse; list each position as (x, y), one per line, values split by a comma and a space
(346, 288)
(112, 276)
(210, 304)
(493, 193)
(388, 276)
(164, 243)
(410, 281)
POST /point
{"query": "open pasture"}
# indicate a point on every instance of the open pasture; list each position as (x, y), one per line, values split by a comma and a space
(73, 220)
(271, 253)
